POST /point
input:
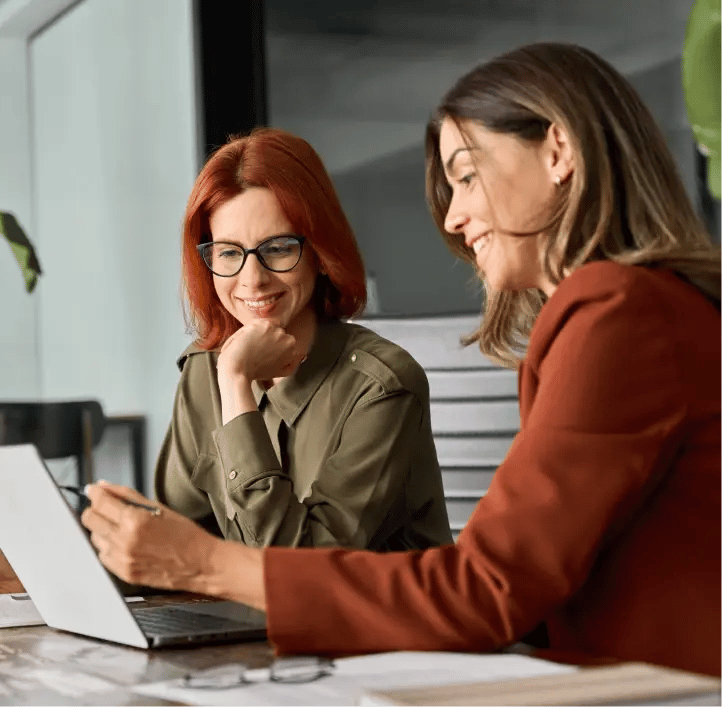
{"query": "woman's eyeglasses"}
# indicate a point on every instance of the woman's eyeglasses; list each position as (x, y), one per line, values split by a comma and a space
(277, 254)
(283, 670)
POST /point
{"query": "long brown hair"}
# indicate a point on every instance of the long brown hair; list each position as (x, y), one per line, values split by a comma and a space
(625, 200)
(293, 171)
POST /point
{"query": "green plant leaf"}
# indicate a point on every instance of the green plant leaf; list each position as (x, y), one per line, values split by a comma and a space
(22, 248)
(701, 82)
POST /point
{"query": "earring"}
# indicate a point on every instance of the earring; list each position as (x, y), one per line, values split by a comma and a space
(558, 180)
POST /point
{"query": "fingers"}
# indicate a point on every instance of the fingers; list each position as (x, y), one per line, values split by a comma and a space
(98, 525)
(118, 491)
(104, 504)
(113, 559)
(261, 325)
(110, 501)
(115, 530)
(110, 504)
(275, 323)
(101, 544)
(260, 350)
(101, 534)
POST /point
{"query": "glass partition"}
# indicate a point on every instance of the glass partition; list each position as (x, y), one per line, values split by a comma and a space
(358, 79)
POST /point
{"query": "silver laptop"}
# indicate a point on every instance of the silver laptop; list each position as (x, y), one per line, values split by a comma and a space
(49, 549)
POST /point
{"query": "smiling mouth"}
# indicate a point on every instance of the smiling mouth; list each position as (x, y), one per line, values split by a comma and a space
(480, 243)
(258, 305)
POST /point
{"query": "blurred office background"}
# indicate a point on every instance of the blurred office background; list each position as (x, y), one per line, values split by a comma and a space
(107, 108)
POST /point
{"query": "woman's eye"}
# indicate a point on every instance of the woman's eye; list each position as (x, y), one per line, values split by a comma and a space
(229, 253)
(277, 249)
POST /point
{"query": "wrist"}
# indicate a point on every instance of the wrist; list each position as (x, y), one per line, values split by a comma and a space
(232, 379)
(236, 397)
(234, 571)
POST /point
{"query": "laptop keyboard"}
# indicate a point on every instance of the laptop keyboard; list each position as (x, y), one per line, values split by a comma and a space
(165, 620)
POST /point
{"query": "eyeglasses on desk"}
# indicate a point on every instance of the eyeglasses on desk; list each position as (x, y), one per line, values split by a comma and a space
(294, 670)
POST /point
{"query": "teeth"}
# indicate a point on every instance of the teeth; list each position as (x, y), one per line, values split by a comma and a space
(479, 243)
(260, 303)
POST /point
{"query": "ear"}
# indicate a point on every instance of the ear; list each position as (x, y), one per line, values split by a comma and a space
(559, 155)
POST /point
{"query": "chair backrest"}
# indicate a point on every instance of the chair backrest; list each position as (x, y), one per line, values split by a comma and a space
(474, 404)
(58, 429)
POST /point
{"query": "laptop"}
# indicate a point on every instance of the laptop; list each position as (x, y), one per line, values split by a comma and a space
(50, 551)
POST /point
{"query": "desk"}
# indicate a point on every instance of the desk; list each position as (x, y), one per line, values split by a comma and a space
(41, 666)
(37, 665)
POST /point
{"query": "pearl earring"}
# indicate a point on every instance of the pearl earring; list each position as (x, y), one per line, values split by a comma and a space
(558, 180)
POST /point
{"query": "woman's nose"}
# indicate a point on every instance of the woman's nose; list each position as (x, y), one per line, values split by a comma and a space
(252, 273)
(455, 219)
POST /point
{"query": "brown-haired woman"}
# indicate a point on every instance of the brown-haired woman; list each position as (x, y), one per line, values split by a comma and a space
(548, 174)
(291, 426)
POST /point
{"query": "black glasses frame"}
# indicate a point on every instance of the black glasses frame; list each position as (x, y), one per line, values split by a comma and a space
(203, 248)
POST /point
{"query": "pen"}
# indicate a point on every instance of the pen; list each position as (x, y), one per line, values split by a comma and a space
(154, 510)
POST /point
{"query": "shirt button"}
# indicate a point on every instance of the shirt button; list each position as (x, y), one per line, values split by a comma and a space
(232, 475)
(353, 358)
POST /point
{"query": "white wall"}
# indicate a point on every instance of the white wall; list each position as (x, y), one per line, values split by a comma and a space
(114, 136)
(113, 155)
(19, 370)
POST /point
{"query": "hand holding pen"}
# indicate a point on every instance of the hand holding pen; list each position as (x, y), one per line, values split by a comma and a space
(82, 493)
(148, 543)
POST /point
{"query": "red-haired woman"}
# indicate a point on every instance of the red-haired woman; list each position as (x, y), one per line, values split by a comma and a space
(291, 426)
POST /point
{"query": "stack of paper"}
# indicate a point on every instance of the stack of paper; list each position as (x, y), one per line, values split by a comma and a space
(354, 677)
(18, 610)
(626, 683)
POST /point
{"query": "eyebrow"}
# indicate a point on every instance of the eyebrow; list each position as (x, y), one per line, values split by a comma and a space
(450, 162)
(230, 240)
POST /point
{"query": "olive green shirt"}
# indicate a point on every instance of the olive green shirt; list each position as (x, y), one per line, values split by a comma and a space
(339, 453)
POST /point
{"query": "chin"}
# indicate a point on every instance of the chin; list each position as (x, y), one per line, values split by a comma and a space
(495, 283)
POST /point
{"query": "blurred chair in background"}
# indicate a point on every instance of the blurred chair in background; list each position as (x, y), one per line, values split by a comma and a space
(474, 404)
(59, 430)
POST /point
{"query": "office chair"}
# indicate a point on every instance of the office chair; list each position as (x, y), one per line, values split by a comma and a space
(59, 430)
(474, 405)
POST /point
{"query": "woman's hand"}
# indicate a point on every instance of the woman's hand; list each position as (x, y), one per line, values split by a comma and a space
(168, 551)
(258, 351)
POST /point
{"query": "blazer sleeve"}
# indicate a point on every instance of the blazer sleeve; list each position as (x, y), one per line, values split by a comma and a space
(354, 491)
(606, 413)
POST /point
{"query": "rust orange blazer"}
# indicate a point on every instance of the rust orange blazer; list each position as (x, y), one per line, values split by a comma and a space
(603, 520)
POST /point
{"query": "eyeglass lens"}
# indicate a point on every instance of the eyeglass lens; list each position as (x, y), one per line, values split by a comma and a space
(278, 254)
(292, 670)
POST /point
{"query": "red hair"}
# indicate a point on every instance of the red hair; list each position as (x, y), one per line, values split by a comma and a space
(290, 168)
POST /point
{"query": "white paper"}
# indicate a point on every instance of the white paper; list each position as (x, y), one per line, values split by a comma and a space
(18, 610)
(353, 676)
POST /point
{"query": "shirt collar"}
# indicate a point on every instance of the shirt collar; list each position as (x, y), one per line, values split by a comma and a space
(290, 396)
